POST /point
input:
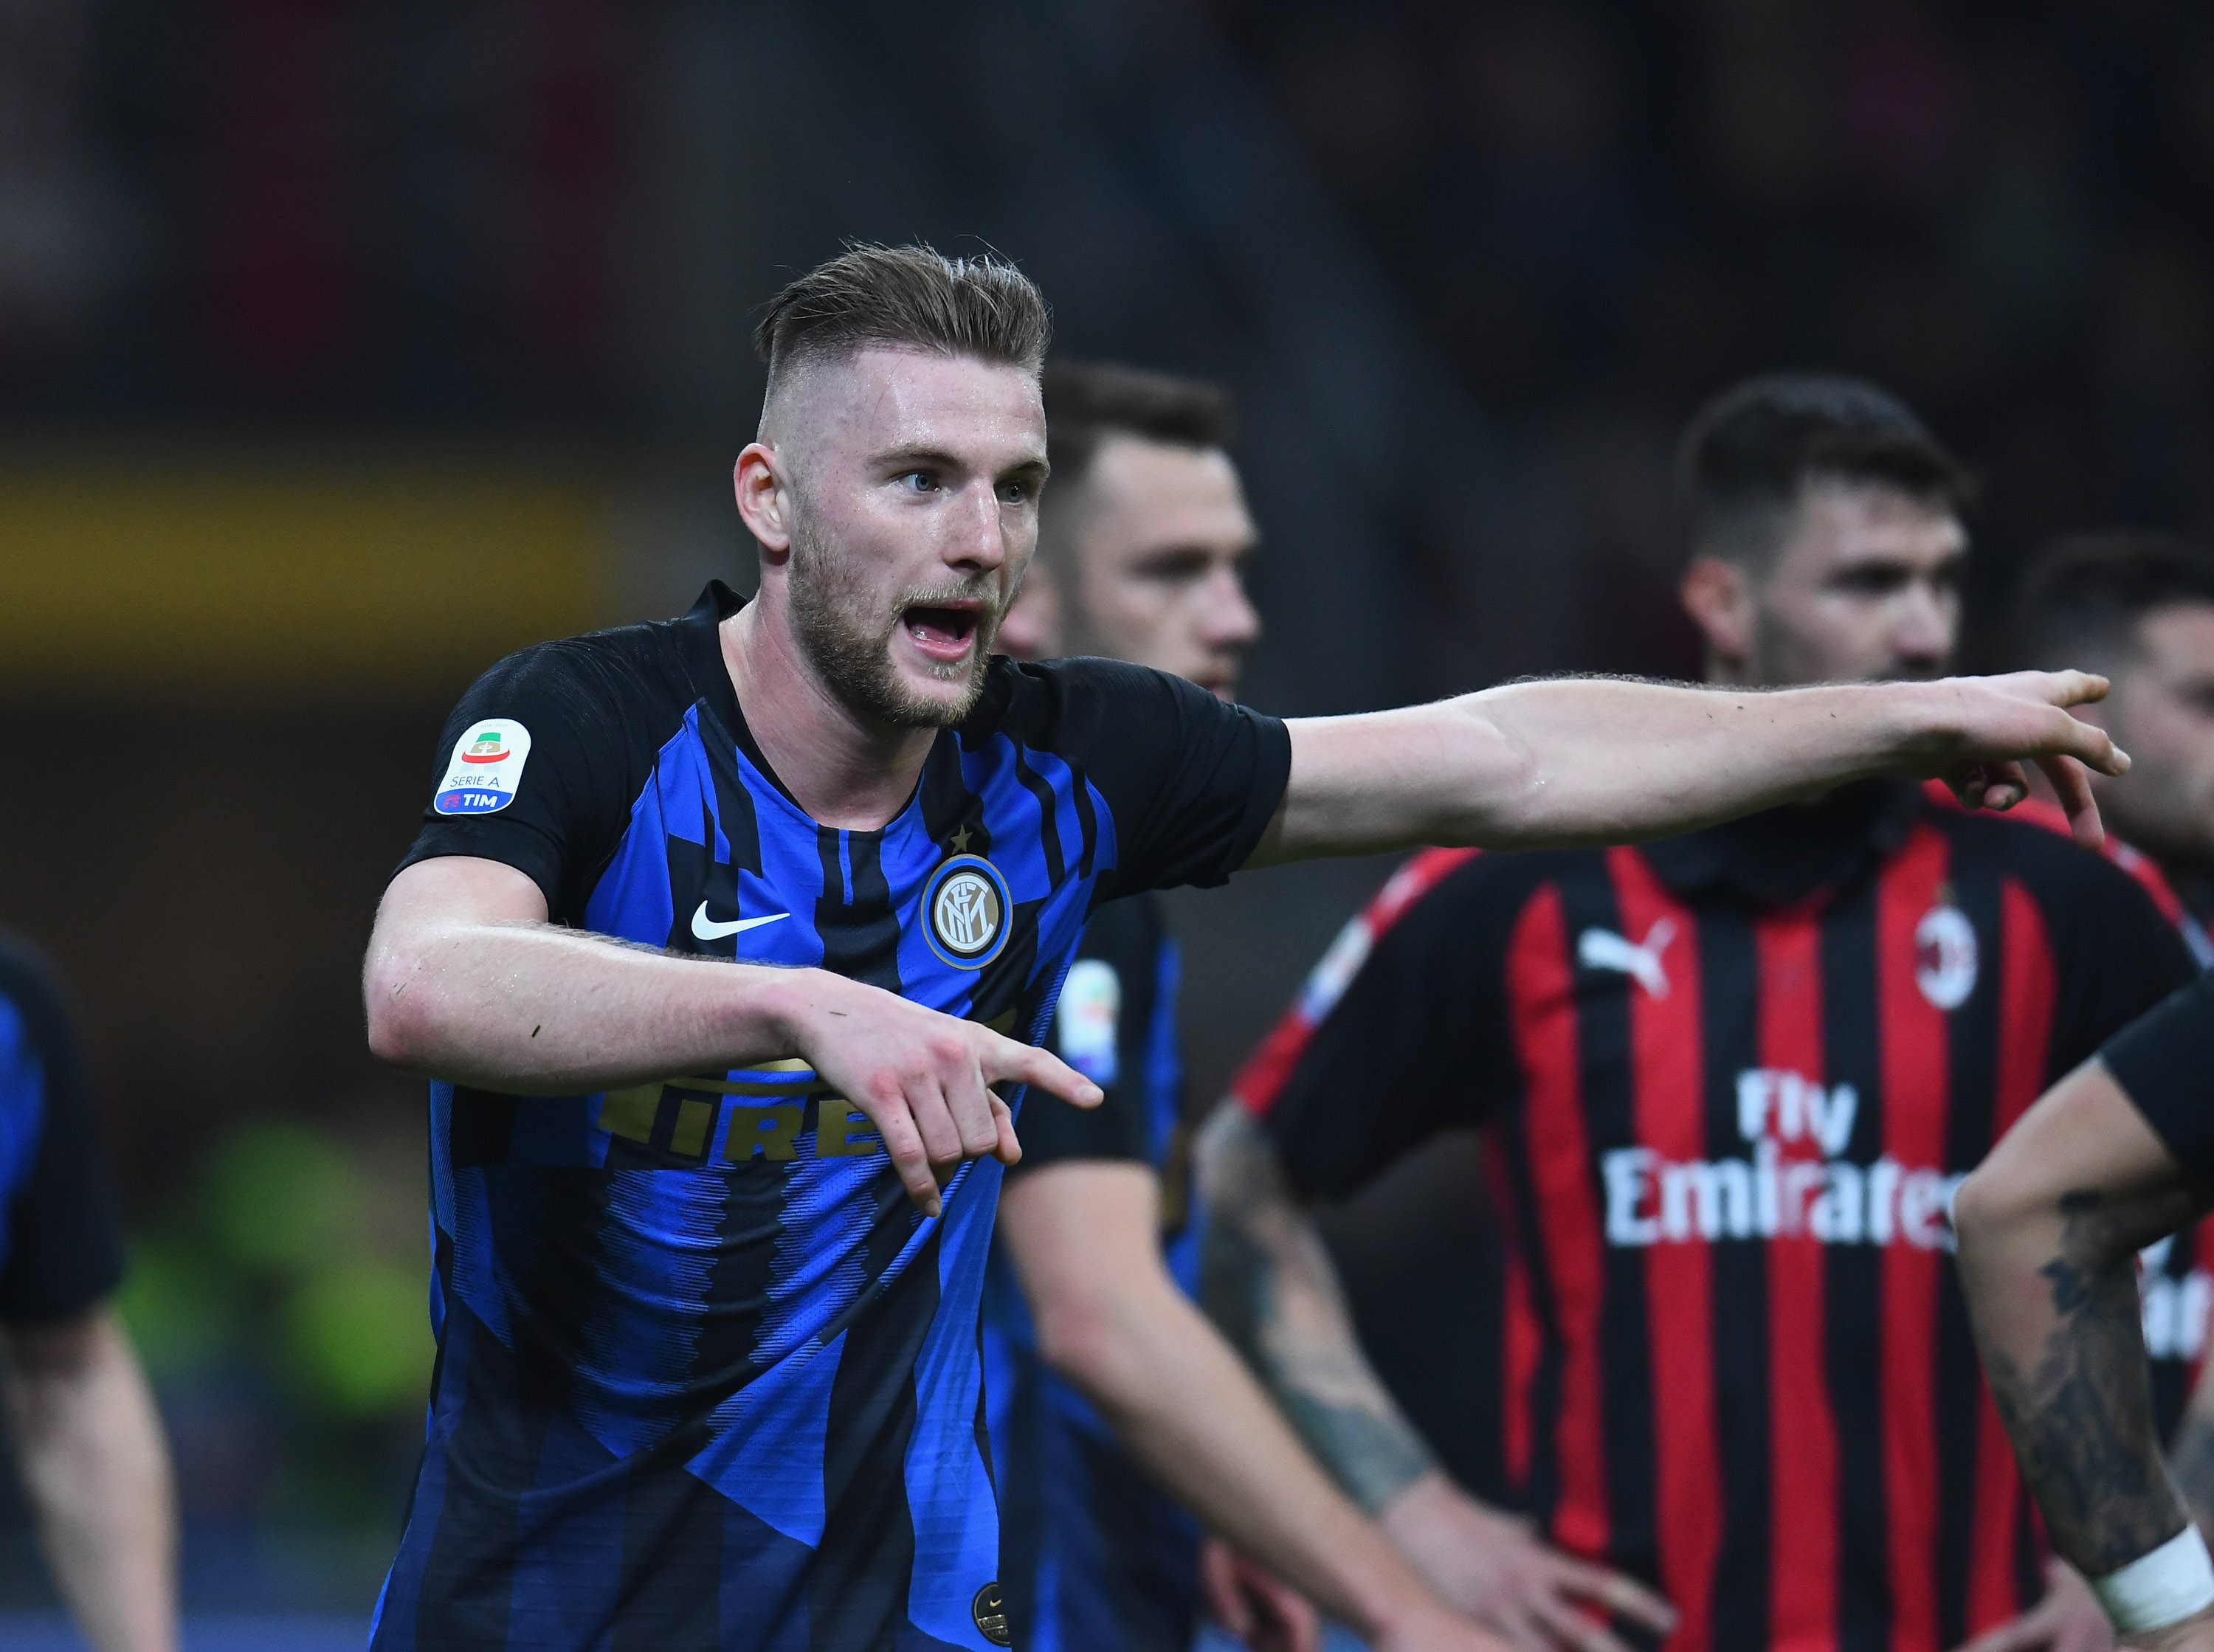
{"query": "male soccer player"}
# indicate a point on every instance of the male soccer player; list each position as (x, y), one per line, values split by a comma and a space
(1729, 1081)
(88, 1442)
(1142, 538)
(721, 931)
(2137, 606)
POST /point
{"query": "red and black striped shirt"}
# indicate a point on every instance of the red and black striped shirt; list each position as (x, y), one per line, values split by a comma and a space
(1730, 1081)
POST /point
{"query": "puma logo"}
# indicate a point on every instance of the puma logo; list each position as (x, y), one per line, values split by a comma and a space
(1603, 949)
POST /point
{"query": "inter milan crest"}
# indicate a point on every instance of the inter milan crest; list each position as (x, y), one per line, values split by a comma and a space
(965, 909)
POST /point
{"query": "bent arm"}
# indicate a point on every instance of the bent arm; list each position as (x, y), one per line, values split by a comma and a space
(2049, 1226)
(467, 980)
(96, 1471)
(1595, 760)
(1083, 1236)
(1267, 1282)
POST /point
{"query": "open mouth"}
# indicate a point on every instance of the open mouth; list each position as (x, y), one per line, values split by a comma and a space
(944, 631)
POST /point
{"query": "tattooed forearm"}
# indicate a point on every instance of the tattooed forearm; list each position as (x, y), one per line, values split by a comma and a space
(2079, 1406)
(1269, 1283)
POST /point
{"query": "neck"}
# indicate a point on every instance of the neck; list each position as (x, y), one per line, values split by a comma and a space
(845, 769)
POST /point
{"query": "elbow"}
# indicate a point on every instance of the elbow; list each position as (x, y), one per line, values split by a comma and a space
(2001, 1205)
(396, 1006)
(1092, 1342)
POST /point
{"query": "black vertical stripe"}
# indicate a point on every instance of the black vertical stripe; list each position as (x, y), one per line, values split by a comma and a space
(670, 1597)
(1852, 1277)
(1087, 821)
(1729, 1002)
(860, 941)
(1542, 1494)
(1974, 1033)
(511, 1396)
(1057, 865)
(1587, 900)
(948, 806)
(858, 1588)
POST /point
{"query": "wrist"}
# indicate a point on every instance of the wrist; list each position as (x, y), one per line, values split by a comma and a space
(780, 1012)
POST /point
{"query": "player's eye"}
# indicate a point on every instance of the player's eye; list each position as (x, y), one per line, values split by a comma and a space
(919, 481)
(1015, 493)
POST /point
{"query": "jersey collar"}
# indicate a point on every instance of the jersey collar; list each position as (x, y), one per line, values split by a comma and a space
(1781, 857)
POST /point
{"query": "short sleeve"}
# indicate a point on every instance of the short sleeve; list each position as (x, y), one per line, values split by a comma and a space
(1103, 1027)
(2165, 1061)
(1417, 1044)
(537, 769)
(63, 1253)
(1192, 783)
(2119, 955)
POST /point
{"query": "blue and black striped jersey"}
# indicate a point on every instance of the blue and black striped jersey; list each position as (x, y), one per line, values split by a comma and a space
(705, 1378)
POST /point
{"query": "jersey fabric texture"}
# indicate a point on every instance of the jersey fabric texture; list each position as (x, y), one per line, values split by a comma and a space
(1093, 1556)
(59, 1254)
(705, 1378)
(1730, 1081)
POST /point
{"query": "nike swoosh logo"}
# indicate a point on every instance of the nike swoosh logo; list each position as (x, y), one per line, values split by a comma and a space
(707, 929)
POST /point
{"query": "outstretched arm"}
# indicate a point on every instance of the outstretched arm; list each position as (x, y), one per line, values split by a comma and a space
(1592, 761)
(467, 980)
(1270, 1283)
(2049, 1226)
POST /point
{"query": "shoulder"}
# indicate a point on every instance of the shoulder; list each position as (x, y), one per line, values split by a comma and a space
(2036, 835)
(623, 665)
(2042, 857)
(1046, 703)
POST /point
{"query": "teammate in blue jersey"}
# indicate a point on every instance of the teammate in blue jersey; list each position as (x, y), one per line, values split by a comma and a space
(88, 1445)
(1105, 1382)
(720, 932)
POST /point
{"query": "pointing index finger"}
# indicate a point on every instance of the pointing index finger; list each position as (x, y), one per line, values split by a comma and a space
(1027, 1065)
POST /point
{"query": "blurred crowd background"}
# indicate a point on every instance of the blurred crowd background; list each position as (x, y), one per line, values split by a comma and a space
(346, 345)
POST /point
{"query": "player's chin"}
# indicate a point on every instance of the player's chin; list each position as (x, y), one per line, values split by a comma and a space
(940, 691)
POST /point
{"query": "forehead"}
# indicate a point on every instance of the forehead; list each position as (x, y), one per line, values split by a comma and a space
(1144, 494)
(877, 400)
(1838, 524)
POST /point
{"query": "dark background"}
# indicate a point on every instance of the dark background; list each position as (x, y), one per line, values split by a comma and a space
(344, 346)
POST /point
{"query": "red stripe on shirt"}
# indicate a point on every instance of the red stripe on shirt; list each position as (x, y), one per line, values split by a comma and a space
(1521, 1347)
(2028, 989)
(1541, 1013)
(1916, 1075)
(1266, 1071)
(1802, 1431)
(1668, 1060)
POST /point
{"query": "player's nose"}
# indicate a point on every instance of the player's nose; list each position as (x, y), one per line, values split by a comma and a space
(976, 539)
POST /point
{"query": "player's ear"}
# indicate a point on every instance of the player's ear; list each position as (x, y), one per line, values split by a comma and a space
(765, 503)
(1719, 598)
